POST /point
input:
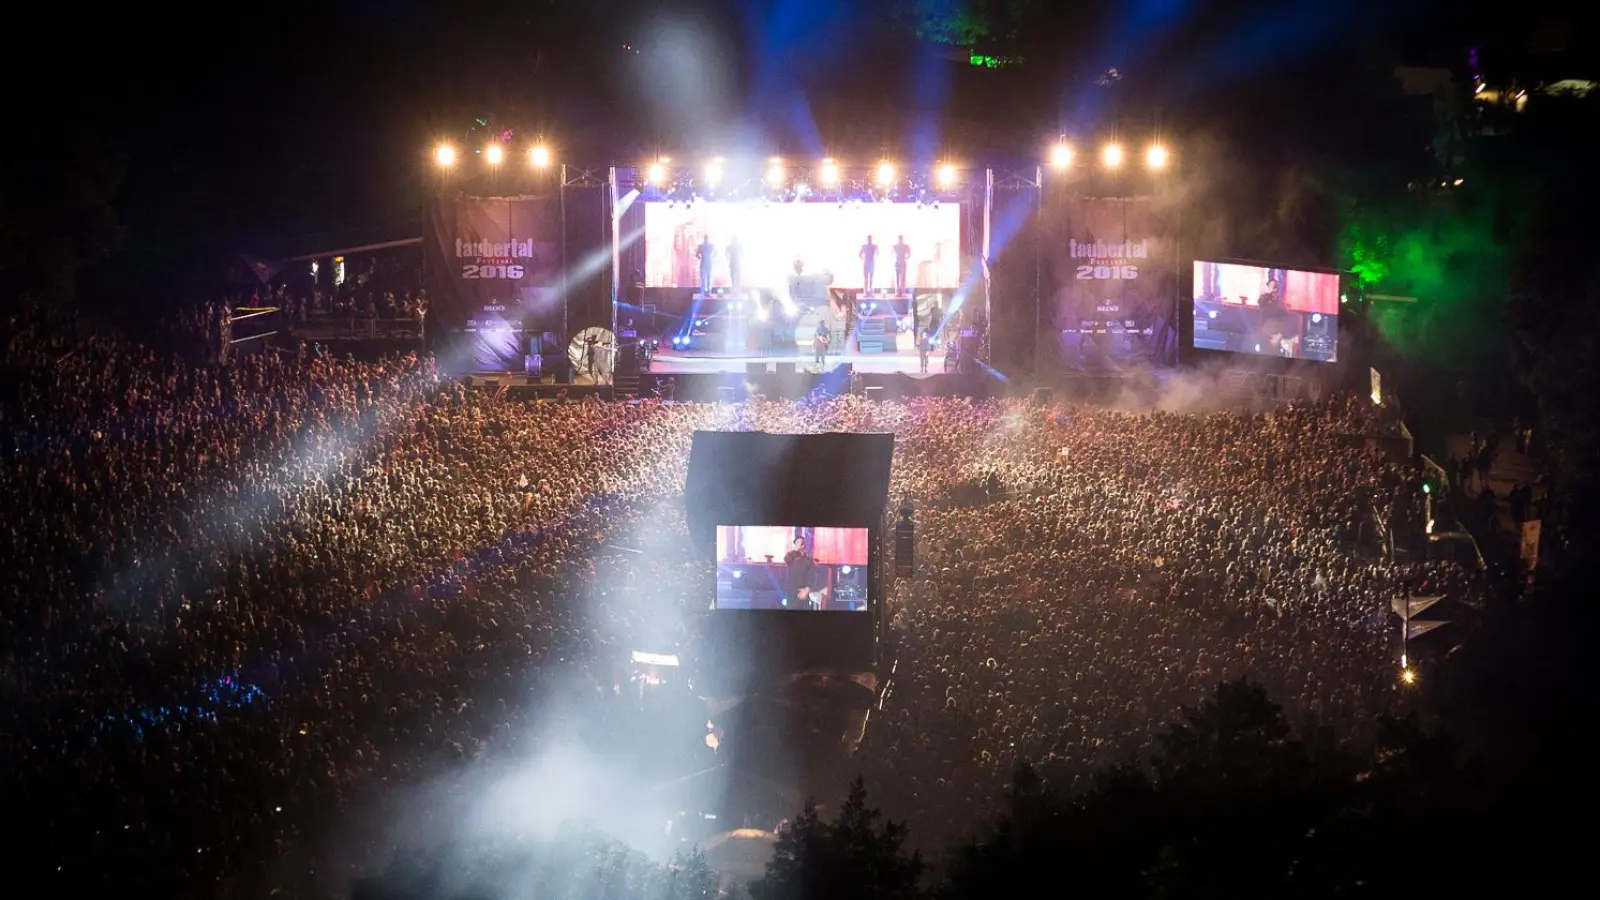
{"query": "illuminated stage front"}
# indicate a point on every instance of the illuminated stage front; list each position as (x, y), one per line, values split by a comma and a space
(905, 362)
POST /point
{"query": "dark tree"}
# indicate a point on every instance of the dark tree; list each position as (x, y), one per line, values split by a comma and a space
(1235, 804)
(59, 217)
(858, 856)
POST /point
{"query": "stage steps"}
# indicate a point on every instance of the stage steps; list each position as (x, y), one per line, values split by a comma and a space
(874, 335)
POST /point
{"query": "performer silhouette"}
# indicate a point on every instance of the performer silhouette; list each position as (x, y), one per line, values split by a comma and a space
(902, 258)
(869, 263)
(734, 253)
(819, 342)
(706, 253)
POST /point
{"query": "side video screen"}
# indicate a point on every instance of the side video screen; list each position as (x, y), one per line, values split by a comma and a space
(789, 567)
(1266, 311)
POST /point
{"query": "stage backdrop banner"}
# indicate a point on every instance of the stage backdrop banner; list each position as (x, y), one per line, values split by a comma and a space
(492, 267)
(1112, 269)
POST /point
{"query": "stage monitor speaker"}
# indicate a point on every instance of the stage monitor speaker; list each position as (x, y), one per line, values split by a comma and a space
(786, 370)
(725, 394)
(968, 342)
(1044, 396)
(559, 367)
(875, 393)
(754, 370)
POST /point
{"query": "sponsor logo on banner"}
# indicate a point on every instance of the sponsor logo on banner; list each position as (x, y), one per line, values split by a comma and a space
(1109, 261)
(500, 260)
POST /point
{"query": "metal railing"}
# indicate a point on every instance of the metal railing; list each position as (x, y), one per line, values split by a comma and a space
(357, 328)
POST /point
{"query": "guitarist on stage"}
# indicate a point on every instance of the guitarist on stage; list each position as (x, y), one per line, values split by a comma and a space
(820, 340)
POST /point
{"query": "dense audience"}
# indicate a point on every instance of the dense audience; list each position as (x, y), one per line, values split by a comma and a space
(247, 598)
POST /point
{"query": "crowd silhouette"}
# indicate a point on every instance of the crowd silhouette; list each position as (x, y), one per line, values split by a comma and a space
(248, 599)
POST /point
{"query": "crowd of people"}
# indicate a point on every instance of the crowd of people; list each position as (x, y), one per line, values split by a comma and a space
(249, 597)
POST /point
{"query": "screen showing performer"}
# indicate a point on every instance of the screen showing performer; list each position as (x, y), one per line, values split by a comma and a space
(786, 567)
(725, 243)
(1266, 311)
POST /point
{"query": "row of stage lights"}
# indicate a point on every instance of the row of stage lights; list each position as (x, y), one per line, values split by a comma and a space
(1112, 156)
(1062, 157)
(445, 156)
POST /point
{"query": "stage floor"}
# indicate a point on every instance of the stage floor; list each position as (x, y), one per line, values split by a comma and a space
(900, 363)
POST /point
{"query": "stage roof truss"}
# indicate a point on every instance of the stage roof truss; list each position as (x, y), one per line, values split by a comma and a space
(585, 176)
(1016, 180)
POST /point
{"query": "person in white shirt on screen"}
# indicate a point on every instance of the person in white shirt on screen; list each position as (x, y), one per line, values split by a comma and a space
(706, 253)
(902, 259)
(869, 264)
(799, 569)
(735, 252)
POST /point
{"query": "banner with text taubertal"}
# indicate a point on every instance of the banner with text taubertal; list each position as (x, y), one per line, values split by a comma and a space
(1110, 266)
(492, 268)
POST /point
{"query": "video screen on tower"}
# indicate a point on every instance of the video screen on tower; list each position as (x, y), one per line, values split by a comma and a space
(768, 243)
(1266, 311)
(785, 567)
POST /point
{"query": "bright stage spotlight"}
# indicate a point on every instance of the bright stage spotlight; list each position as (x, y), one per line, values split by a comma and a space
(1061, 155)
(948, 176)
(539, 155)
(657, 174)
(713, 172)
(885, 173)
(775, 174)
(494, 154)
(1111, 156)
(830, 173)
(1156, 157)
(445, 156)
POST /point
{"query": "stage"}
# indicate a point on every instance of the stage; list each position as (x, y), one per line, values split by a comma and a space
(902, 362)
(725, 331)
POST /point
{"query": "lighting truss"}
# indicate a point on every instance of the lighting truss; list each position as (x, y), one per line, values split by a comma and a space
(585, 176)
(803, 181)
(1017, 179)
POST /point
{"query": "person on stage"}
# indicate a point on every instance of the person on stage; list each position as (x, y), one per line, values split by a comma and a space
(706, 253)
(819, 342)
(924, 347)
(902, 259)
(798, 572)
(869, 263)
(734, 253)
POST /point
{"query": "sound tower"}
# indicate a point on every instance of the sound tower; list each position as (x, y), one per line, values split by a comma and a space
(905, 544)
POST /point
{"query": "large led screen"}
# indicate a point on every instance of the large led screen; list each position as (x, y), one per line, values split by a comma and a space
(764, 244)
(1266, 311)
(794, 568)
